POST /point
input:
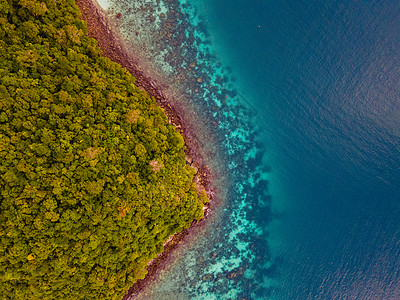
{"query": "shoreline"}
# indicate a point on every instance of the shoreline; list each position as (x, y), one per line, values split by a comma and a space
(100, 28)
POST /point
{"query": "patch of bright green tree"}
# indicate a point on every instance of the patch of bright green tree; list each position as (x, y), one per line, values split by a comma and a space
(93, 179)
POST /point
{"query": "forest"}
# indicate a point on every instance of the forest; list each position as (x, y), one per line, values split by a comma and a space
(93, 179)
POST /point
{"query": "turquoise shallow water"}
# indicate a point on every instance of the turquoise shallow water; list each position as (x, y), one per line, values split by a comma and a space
(296, 107)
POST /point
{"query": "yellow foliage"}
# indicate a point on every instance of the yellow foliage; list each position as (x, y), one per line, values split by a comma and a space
(91, 153)
(74, 33)
(30, 256)
(132, 116)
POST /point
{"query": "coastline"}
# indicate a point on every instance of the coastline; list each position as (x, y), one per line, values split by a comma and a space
(100, 28)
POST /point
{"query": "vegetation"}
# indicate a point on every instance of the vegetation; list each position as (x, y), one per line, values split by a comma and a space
(93, 179)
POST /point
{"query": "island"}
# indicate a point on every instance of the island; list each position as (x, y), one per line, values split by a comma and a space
(94, 177)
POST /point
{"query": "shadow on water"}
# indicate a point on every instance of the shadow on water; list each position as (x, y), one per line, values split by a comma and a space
(231, 258)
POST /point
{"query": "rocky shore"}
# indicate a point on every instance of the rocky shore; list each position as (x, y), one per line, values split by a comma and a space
(100, 27)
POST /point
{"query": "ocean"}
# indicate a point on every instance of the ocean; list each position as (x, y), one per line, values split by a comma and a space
(296, 106)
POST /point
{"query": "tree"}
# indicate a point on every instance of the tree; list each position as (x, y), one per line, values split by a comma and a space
(93, 179)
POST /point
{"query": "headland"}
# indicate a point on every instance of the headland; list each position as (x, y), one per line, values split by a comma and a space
(101, 28)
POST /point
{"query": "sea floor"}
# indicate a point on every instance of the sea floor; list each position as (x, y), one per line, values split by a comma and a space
(229, 257)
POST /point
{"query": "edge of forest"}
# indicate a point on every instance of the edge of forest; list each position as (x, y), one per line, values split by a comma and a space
(101, 28)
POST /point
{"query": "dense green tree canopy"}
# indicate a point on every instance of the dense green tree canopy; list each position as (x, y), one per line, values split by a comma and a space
(93, 179)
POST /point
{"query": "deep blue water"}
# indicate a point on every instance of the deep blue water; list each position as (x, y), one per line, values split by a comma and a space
(298, 114)
(325, 75)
